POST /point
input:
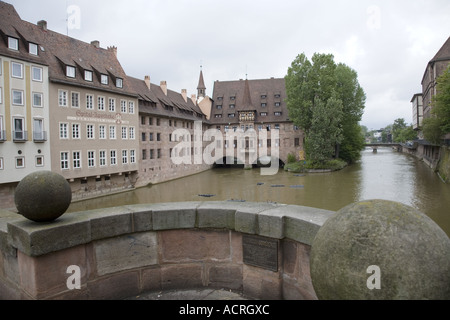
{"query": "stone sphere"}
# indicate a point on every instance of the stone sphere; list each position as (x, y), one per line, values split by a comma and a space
(382, 250)
(43, 196)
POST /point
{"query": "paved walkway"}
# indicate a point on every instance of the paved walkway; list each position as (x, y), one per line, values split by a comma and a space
(193, 294)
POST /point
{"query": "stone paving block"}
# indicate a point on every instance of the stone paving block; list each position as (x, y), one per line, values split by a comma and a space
(225, 276)
(47, 275)
(126, 252)
(36, 239)
(181, 276)
(216, 215)
(110, 222)
(142, 217)
(180, 215)
(117, 286)
(194, 245)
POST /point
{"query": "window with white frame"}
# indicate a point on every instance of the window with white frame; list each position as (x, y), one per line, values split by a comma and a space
(70, 71)
(1, 164)
(1, 94)
(124, 133)
(2, 134)
(131, 107)
(113, 157)
(89, 101)
(17, 96)
(88, 75)
(37, 99)
(75, 100)
(104, 79)
(90, 131)
(17, 70)
(33, 48)
(112, 105)
(20, 162)
(102, 158)
(101, 103)
(63, 128)
(124, 156)
(76, 157)
(38, 130)
(112, 132)
(13, 43)
(75, 131)
(119, 83)
(62, 98)
(123, 106)
(132, 156)
(64, 160)
(19, 129)
(132, 134)
(36, 73)
(91, 159)
(102, 132)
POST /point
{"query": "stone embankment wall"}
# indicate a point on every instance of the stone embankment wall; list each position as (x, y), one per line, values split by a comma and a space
(125, 251)
(444, 164)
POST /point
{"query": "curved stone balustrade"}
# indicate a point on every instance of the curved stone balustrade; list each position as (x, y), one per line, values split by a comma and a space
(124, 251)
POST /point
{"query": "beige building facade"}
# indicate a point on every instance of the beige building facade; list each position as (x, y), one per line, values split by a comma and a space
(167, 120)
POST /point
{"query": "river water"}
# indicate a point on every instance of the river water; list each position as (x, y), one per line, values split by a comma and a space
(387, 175)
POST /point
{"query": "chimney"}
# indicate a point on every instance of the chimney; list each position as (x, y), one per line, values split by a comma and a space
(96, 43)
(194, 98)
(42, 24)
(112, 48)
(147, 82)
(163, 86)
(184, 94)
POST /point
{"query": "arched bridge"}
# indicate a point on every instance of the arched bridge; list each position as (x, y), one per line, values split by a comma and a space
(377, 145)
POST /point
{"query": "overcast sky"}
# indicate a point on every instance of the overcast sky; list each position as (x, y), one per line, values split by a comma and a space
(388, 43)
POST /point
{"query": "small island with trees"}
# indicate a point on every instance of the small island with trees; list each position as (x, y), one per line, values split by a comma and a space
(326, 101)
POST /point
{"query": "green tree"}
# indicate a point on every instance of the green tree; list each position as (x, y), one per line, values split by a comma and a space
(398, 126)
(407, 134)
(432, 130)
(352, 143)
(439, 124)
(310, 84)
(325, 131)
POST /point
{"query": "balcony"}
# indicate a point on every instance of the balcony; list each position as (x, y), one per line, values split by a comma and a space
(39, 136)
(20, 136)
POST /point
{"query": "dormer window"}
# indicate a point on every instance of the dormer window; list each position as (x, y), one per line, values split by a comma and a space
(119, 83)
(33, 48)
(104, 79)
(13, 43)
(70, 71)
(88, 75)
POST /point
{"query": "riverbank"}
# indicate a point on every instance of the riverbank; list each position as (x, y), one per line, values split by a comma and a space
(310, 167)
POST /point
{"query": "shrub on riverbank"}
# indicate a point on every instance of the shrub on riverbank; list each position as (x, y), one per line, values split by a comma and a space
(305, 166)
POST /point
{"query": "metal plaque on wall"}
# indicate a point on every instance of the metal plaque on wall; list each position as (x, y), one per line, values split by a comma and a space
(260, 252)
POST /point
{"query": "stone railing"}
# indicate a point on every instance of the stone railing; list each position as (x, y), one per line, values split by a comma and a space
(259, 249)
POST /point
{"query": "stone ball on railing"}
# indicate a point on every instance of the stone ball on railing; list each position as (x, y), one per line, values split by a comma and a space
(43, 196)
(382, 250)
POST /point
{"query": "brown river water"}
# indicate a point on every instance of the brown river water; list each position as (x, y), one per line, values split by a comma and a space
(387, 175)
